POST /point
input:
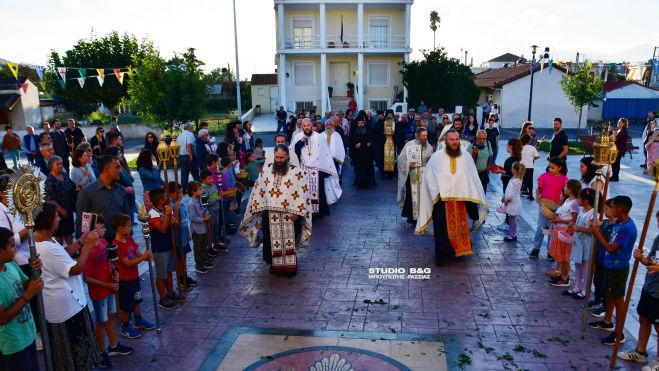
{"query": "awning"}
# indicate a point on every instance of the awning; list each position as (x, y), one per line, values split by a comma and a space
(9, 100)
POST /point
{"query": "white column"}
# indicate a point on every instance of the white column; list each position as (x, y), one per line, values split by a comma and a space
(281, 20)
(360, 25)
(408, 15)
(407, 60)
(281, 79)
(360, 80)
(323, 83)
(323, 28)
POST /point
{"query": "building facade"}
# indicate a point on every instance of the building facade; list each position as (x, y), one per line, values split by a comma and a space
(19, 103)
(330, 43)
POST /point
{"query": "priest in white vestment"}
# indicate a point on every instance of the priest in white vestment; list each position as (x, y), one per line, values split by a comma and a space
(450, 192)
(316, 161)
(412, 162)
(335, 143)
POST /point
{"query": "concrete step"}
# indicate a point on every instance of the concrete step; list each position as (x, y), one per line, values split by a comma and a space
(339, 103)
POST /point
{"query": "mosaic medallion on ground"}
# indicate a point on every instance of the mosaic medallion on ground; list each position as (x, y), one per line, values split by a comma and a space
(323, 350)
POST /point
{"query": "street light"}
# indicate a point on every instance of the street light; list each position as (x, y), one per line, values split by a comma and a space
(545, 55)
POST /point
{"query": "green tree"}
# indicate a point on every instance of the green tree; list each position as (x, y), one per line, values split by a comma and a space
(109, 51)
(434, 25)
(166, 91)
(439, 80)
(581, 88)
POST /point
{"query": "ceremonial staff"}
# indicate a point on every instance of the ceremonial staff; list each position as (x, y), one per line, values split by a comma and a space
(163, 155)
(26, 199)
(175, 150)
(632, 278)
(146, 231)
(207, 224)
(604, 154)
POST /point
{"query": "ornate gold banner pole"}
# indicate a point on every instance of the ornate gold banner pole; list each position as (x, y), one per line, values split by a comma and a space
(632, 278)
(175, 150)
(163, 154)
(26, 199)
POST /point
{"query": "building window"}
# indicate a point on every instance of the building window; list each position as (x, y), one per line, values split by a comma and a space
(302, 32)
(378, 73)
(378, 105)
(304, 106)
(261, 92)
(378, 32)
(304, 74)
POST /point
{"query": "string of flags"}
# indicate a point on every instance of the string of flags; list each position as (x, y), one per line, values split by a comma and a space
(571, 66)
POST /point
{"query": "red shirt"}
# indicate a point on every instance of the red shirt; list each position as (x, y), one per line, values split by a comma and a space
(127, 250)
(98, 266)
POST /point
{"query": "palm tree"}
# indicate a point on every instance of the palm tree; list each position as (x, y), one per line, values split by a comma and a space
(434, 25)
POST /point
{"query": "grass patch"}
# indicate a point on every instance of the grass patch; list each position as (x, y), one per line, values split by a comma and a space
(132, 164)
(573, 148)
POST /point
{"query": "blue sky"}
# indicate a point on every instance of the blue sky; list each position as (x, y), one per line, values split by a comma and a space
(599, 29)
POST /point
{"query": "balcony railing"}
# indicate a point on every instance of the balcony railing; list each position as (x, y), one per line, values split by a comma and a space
(349, 41)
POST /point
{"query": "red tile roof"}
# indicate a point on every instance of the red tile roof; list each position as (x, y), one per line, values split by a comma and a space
(614, 85)
(264, 79)
(499, 77)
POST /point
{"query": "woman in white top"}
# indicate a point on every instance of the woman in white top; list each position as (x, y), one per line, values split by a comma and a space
(248, 136)
(82, 172)
(588, 174)
(69, 322)
(529, 155)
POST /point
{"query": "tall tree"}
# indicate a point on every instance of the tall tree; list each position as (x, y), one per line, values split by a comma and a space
(434, 25)
(109, 51)
(581, 88)
(166, 91)
(440, 81)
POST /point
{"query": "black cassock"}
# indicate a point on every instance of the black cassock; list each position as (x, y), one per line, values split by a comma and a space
(378, 143)
(362, 157)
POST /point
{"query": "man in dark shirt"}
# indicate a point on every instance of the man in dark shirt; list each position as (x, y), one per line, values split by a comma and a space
(281, 119)
(74, 134)
(559, 143)
(60, 143)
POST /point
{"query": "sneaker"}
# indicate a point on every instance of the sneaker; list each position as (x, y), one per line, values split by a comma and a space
(651, 367)
(601, 325)
(119, 350)
(129, 332)
(191, 282)
(633, 356)
(561, 282)
(534, 254)
(598, 312)
(594, 304)
(201, 269)
(503, 227)
(510, 239)
(105, 361)
(611, 339)
(166, 304)
(209, 265)
(142, 324)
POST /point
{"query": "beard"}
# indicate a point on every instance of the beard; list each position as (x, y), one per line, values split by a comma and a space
(280, 168)
(453, 152)
(329, 131)
(308, 133)
(423, 143)
(361, 129)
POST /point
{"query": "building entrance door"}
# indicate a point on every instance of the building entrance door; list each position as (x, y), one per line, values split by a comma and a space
(339, 76)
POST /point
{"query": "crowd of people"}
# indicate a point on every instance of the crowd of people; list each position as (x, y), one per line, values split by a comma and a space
(443, 164)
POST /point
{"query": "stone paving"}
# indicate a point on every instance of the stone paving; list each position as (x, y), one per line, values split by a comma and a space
(497, 304)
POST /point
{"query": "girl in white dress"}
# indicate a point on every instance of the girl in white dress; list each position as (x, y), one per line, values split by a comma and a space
(512, 200)
(582, 247)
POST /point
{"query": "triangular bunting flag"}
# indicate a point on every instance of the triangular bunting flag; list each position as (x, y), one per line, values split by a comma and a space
(100, 79)
(39, 70)
(43, 85)
(62, 83)
(121, 77)
(101, 72)
(62, 72)
(117, 72)
(551, 62)
(83, 72)
(81, 81)
(24, 87)
(13, 67)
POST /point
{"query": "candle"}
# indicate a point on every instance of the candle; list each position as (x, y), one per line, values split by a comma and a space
(142, 212)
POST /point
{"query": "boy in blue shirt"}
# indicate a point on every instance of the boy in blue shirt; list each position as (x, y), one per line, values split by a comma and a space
(619, 247)
(177, 200)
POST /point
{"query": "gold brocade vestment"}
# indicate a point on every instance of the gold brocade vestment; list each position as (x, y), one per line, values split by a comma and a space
(389, 149)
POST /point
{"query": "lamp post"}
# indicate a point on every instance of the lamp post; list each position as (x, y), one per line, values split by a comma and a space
(545, 55)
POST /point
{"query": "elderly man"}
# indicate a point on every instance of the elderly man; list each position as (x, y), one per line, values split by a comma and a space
(328, 116)
(482, 153)
(279, 207)
(335, 143)
(316, 162)
(411, 164)
(186, 155)
(30, 144)
(451, 193)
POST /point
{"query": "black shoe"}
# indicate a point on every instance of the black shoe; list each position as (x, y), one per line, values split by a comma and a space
(208, 264)
(614, 179)
(223, 249)
(601, 325)
(510, 239)
(212, 253)
(534, 254)
(531, 198)
(201, 269)
(105, 361)
(191, 282)
(611, 339)
(550, 258)
(119, 350)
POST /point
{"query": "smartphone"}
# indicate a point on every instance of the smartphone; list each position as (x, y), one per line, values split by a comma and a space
(88, 222)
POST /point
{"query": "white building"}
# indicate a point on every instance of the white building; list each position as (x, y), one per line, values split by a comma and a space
(330, 43)
(19, 102)
(504, 60)
(509, 87)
